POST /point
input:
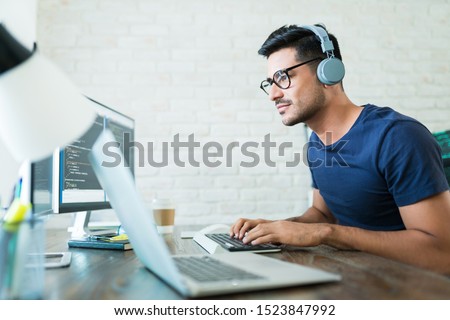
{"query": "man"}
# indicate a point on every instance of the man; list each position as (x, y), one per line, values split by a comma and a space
(378, 179)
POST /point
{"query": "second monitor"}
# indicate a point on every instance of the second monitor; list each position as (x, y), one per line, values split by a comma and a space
(75, 186)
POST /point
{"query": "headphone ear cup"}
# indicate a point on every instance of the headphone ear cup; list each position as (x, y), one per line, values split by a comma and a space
(330, 71)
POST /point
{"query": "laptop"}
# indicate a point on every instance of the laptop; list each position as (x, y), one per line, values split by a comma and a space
(227, 272)
(216, 239)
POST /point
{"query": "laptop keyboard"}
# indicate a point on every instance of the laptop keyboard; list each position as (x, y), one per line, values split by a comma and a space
(207, 269)
(232, 244)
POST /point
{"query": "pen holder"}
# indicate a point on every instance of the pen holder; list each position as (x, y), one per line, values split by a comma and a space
(22, 248)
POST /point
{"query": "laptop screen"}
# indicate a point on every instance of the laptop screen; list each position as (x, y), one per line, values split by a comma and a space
(136, 220)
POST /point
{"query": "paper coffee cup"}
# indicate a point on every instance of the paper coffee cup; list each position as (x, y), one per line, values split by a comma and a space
(164, 215)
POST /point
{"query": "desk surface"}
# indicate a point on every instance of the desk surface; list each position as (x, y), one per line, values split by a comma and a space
(109, 274)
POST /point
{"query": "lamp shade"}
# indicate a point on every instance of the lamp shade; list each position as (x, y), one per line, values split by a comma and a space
(40, 109)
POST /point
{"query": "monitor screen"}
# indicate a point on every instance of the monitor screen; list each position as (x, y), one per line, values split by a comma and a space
(41, 186)
(75, 186)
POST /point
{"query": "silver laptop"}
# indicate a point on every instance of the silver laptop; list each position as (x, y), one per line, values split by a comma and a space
(231, 272)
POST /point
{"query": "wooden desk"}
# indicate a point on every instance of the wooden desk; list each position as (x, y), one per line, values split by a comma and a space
(108, 274)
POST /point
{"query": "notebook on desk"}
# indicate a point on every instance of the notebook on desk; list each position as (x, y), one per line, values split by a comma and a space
(191, 275)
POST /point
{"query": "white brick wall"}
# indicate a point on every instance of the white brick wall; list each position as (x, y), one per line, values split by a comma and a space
(191, 67)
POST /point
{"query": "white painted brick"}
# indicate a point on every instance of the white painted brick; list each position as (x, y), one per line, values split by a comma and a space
(260, 168)
(200, 130)
(233, 209)
(175, 67)
(144, 79)
(155, 182)
(151, 54)
(108, 28)
(219, 171)
(220, 116)
(97, 66)
(165, 91)
(179, 196)
(282, 209)
(95, 16)
(175, 117)
(254, 117)
(111, 79)
(189, 104)
(66, 41)
(193, 210)
(152, 130)
(151, 29)
(117, 6)
(194, 182)
(175, 171)
(234, 182)
(94, 41)
(219, 194)
(278, 181)
(72, 54)
(178, 18)
(201, 18)
(81, 79)
(213, 92)
(132, 18)
(229, 129)
(402, 91)
(216, 68)
(257, 194)
(111, 54)
(182, 67)
(262, 129)
(212, 42)
(136, 42)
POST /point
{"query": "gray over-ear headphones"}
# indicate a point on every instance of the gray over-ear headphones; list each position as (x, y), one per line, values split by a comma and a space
(330, 70)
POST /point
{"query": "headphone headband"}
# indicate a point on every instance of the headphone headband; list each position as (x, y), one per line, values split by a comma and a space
(325, 42)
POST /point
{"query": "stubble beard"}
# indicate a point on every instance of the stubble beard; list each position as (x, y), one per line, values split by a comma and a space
(303, 110)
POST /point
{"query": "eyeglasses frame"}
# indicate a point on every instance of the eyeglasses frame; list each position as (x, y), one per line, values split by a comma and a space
(286, 70)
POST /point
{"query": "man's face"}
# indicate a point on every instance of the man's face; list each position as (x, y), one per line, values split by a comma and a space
(304, 98)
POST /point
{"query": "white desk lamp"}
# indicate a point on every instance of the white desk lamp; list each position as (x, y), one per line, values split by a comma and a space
(40, 109)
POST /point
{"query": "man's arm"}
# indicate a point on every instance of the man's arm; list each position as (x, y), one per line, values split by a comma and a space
(424, 243)
(318, 213)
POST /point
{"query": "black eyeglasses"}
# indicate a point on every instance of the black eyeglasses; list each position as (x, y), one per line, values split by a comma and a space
(281, 77)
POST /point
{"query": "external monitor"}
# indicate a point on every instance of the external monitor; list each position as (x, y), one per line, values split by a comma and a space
(40, 191)
(65, 181)
(41, 186)
(75, 186)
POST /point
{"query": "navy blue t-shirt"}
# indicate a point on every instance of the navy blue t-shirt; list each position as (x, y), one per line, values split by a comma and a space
(386, 160)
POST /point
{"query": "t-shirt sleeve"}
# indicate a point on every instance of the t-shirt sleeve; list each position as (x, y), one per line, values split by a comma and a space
(410, 160)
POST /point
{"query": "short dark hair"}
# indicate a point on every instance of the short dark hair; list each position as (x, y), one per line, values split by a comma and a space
(305, 42)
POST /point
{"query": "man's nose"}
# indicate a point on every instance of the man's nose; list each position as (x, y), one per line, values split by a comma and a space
(275, 92)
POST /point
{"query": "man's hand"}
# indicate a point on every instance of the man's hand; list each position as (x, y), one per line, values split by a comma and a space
(242, 226)
(288, 233)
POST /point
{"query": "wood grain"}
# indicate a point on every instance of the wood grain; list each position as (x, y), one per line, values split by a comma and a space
(109, 274)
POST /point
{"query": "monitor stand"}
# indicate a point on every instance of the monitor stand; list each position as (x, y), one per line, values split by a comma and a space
(57, 259)
(84, 236)
(81, 229)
